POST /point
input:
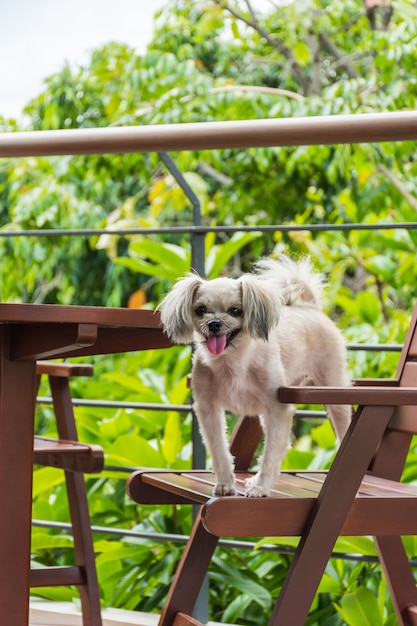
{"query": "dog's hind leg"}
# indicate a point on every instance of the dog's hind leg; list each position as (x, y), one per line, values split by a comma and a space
(340, 416)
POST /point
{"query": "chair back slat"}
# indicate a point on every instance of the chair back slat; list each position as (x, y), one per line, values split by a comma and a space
(409, 351)
(412, 352)
(405, 417)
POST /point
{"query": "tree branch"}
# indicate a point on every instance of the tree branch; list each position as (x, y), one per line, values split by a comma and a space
(273, 91)
(398, 185)
(251, 10)
(344, 60)
(277, 44)
(209, 170)
(313, 44)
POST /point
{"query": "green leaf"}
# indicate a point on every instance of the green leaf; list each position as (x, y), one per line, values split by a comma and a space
(329, 584)
(172, 442)
(167, 260)
(235, 609)
(369, 306)
(245, 585)
(302, 53)
(136, 451)
(324, 435)
(382, 266)
(291, 542)
(45, 541)
(116, 551)
(356, 545)
(360, 608)
(235, 29)
(45, 479)
(405, 8)
(219, 256)
(297, 459)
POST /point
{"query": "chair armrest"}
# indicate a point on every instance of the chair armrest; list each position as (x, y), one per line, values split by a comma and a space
(63, 370)
(375, 382)
(369, 395)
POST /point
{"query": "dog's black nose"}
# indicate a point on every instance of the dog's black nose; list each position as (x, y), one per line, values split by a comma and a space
(214, 325)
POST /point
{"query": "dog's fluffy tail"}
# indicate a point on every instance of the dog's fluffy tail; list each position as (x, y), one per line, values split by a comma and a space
(297, 282)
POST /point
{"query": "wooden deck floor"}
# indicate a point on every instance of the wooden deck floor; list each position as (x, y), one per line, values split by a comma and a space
(65, 614)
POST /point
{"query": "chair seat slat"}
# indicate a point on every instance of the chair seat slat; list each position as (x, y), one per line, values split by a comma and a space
(68, 455)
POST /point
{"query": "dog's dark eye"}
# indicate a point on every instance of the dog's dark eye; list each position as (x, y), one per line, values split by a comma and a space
(234, 311)
(200, 311)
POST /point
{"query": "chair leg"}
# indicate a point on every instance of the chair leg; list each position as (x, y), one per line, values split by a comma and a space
(302, 579)
(400, 578)
(78, 506)
(190, 574)
(326, 520)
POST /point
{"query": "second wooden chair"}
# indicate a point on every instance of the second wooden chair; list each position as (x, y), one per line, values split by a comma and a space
(75, 458)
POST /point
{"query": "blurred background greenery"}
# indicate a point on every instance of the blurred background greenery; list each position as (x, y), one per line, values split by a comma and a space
(217, 60)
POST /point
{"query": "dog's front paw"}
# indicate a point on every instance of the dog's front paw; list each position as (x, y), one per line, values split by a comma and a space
(254, 489)
(224, 489)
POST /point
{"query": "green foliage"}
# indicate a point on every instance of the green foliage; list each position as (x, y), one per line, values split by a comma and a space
(217, 60)
(363, 607)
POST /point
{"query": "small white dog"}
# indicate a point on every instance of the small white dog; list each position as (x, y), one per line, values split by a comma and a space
(252, 335)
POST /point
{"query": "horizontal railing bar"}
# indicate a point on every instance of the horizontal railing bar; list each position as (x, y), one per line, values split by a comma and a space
(264, 228)
(110, 404)
(149, 406)
(295, 131)
(375, 347)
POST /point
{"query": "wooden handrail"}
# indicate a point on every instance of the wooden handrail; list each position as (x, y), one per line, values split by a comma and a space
(296, 131)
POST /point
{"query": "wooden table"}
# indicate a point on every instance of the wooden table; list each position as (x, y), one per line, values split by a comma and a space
(29, 332)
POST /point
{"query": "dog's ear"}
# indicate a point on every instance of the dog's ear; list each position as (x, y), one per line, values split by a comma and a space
(261, 310)
(176, 309)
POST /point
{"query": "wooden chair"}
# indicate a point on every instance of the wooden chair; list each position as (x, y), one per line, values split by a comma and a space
(75, 459)
(361, 494)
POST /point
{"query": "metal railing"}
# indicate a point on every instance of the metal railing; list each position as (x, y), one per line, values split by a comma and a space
(298, 131)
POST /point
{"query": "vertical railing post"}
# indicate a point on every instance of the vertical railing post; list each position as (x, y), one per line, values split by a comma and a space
(198, 241)
(197, 265)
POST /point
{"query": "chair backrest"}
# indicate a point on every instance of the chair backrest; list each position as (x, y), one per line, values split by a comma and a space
(405, 417)
(391, 456)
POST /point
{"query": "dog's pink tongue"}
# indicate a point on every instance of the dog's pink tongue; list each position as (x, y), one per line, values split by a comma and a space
(216, 343)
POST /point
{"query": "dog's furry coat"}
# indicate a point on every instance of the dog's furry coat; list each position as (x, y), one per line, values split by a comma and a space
(252, 335)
